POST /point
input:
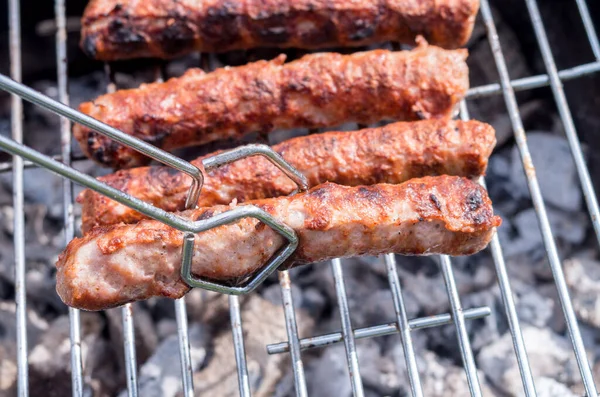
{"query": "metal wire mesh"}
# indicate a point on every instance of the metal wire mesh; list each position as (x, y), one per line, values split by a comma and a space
(402, 325)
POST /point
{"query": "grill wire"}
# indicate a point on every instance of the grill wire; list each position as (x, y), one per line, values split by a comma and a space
(347, 335)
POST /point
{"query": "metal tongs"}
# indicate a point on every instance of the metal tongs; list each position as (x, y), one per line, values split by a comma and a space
(190, 228)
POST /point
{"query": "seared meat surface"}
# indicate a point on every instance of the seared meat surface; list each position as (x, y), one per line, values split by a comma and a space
(390, 154)
(117, 29)
(114, 265)
(318, 90)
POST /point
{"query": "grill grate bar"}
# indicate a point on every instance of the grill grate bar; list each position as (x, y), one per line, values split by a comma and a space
(379, 330)
(129, 347)
(404, 326)
(508, 298)
(589, 27)
(527, 83)
(347, 334)
(461, 329)
(292, 331)
(127, 310)
(18, 203)
(565, 115)
(549, 243)
(238, 344)
(187, 376)
(65, 137)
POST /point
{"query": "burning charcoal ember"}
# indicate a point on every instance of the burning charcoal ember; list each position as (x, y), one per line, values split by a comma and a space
(263, 323)
(549, 354)
(160, 375)
(583, 279)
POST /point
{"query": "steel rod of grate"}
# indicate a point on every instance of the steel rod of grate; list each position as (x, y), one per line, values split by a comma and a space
(565, 115)
(65, 138)
(458, 317)
(16, 126)
(126, 310)
(129, 348)
(379, 330)
(184, 347)
(527, 83)
(185, 359)
(403, 326)
(238, 345)
(292, 332)
(235, 313)
(508, 298)
(555, 265)
(589, 27)
(347, 334)
(459, 322)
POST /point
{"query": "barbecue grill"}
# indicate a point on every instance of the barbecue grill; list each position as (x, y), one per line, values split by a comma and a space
(25, 158)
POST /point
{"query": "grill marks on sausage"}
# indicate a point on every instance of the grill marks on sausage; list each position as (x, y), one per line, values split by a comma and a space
(390, 154)
(94, 272)
(115, 30)
(317, 90)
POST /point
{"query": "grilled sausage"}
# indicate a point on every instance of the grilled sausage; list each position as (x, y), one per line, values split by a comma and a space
(390, 154)
(318, 90)
(117, 29)
(114, 265)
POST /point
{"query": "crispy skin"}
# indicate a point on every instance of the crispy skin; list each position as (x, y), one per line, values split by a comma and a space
(391, 154)
(433, 215)
(117, 29)
(318, 90)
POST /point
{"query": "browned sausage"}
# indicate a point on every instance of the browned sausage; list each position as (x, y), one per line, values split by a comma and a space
(114, 265)
(390, 154)
(118, 29)
(318, 90)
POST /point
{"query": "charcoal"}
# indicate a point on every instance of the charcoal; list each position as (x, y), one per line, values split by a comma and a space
(8, 372)
(583, 279)
(377, 369)
(329, 374)
(272, 293)
(558, 179)
(441, 378)
(533, 308)
(548, 387)
(549, 356)
(160, 375)
(263, 323)
(569, 228)
(146, 338)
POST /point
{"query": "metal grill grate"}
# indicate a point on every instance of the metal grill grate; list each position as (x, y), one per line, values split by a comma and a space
(347, 335)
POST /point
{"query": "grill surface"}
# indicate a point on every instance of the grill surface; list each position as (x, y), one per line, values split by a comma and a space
(347, 335)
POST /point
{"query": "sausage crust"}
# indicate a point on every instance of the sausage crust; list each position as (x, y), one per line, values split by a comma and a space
(317, 90)
(391, 154)
(114, 265)
(117, 29)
